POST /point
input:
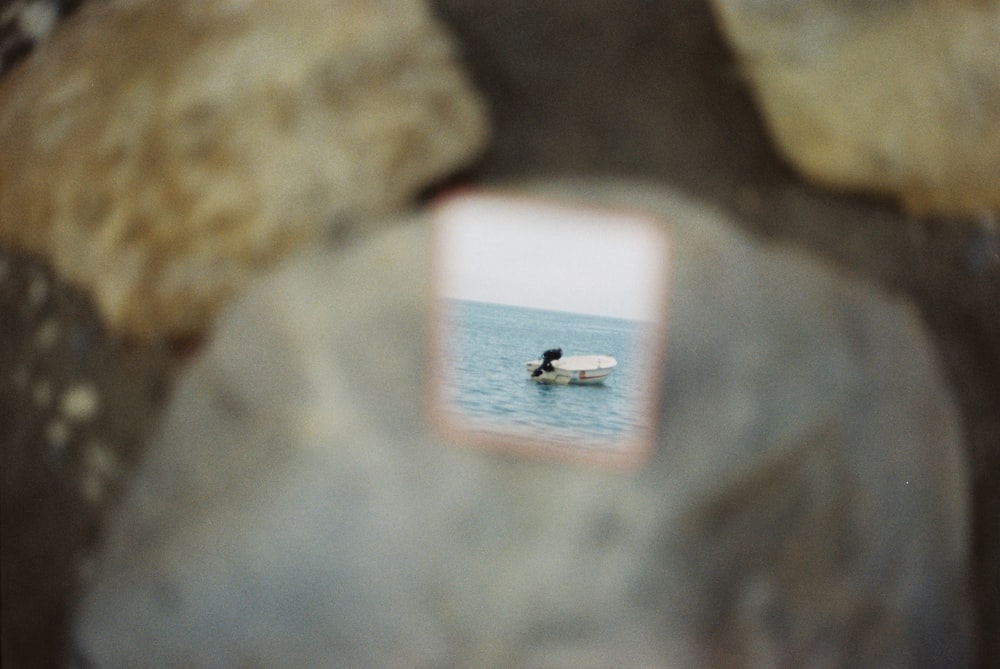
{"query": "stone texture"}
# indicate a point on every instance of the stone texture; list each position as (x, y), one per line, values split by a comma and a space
(23, 23)
(805, 505)
(900, 98)
(73, 404)
(159, 154)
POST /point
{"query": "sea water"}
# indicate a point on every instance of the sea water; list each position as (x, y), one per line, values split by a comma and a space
(484, 349)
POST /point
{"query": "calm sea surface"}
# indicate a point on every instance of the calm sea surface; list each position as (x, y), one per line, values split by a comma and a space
(486, 346)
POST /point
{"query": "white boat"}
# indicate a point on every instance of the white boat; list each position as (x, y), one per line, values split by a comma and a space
(575, 369)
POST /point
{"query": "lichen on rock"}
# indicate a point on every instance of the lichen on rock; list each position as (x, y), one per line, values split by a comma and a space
(896, 98)
(160, 154)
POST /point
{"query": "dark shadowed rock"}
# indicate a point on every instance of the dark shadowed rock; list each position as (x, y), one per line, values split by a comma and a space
(72, 402)
(805, 505)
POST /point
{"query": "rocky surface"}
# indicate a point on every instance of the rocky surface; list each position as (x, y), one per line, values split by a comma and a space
(898, 98)
(160, 154)
(23, 23)
(73, 401)
(805, 506)
(641, 89)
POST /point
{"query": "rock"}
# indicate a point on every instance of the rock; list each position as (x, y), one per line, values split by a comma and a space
(74, 406)
(159, 155)
(804, 506)
(22, 24)
(899, 98)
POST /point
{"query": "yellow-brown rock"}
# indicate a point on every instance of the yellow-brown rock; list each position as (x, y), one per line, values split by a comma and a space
(158, 154)
(897, 98)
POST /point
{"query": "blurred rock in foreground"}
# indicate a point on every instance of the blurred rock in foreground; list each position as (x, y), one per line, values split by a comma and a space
(805, 505)
(160, 153)
(899, 98)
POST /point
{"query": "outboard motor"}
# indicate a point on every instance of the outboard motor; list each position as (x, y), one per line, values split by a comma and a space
(547, 358)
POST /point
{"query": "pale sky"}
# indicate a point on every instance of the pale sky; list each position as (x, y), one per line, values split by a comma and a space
(535, 253)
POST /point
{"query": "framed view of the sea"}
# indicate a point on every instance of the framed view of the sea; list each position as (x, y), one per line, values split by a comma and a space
(548, 327)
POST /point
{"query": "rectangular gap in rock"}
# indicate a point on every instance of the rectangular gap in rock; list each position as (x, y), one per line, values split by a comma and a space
(548, 326)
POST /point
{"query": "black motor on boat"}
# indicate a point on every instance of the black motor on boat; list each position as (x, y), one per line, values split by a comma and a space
(547, 358)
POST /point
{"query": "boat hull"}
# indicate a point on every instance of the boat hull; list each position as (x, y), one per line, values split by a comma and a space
(576, 370)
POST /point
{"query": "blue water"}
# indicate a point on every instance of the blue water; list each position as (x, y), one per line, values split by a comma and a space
(485, 350)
